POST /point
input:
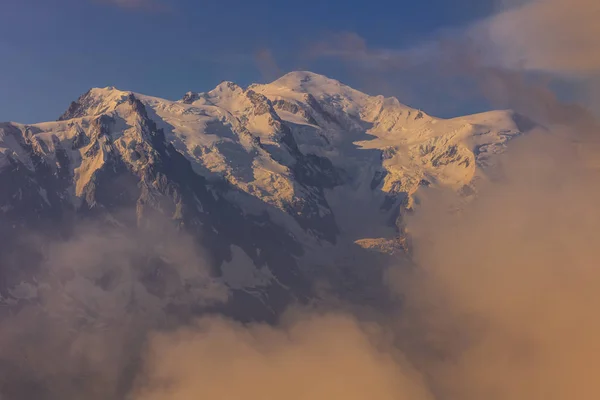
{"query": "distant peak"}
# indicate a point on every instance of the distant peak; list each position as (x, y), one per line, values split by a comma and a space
(317, 85)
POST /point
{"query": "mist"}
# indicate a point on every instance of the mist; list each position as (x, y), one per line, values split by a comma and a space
(308, 356)
(83, 312)
(546, 35)
(509, 284)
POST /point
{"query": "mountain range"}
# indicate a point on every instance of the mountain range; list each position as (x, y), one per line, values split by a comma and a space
(260, 196)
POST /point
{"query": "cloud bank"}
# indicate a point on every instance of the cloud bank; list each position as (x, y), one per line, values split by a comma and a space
(515, 59)
(555, 36)
(318, 357)
(509, 284)
(73, 326)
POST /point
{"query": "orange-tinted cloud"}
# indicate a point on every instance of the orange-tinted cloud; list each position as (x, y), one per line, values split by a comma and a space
(314, 357)
(509, 284)
(558, 36)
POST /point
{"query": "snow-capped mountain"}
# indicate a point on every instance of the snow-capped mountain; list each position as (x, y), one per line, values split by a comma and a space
(277, 183)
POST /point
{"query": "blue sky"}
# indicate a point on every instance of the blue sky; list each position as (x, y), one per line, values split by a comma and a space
(54, 50)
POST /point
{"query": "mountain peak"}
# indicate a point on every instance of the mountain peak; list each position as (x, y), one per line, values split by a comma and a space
(94, 102)
(303, 80)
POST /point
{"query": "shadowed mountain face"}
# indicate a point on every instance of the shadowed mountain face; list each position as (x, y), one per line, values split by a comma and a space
(237, 201)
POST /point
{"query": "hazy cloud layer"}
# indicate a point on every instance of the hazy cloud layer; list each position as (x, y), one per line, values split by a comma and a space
(74, 326)
(509, 285)
(558, 36)
(513, 59)
(314, 357)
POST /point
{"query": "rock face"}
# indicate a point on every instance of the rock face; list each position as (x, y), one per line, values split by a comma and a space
(274, 184)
